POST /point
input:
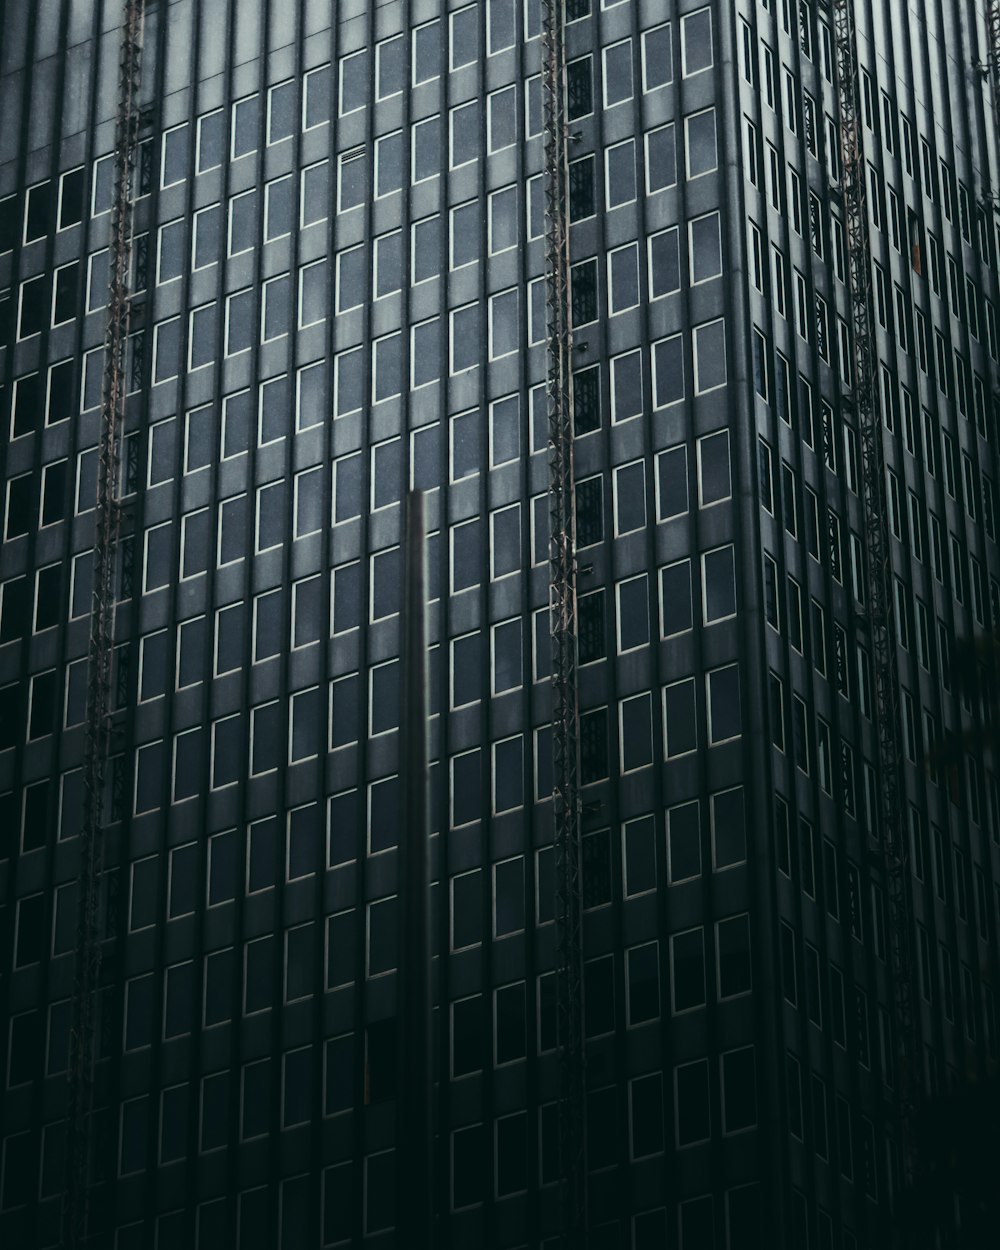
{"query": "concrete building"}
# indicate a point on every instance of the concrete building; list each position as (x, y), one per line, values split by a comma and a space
(338, 276)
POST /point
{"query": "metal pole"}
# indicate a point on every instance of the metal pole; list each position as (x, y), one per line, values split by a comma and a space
(414, 1098)
(863, 396)
(83, 1045)
(566, 811)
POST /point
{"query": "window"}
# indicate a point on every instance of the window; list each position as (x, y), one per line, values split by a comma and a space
(630, 498)
(579, 88)
(632, 596)
(242, 229)
(33, 307)
(657, 57)
(505, 430)
(503, 324)
(714, 475)
(390, 67)
(463, 131)
(71, 186)
(583, 289)
(312, 294)
(704, 248)
(281, 108)
(733, 968)
(202, 336)
(389, 163)
(211, 140)
(718, 571)
(664, 263)
(313, 197)
(723, 700)
(386, 367)
(668, 371)
(501, 119)
(464, 37)
(700, 143)
(619, 174)
(739, 1090)
(709, 342)
(642, 989)
(170, 257)
(350, 278)
(626, 386)
(351, 179)
(623, 279)
(244, 127)
(353, 82)
(64, 293)
(696, 42)
(427, 48)
(680, 718)
(617, 73)
(691, 1103)
(315, 106)
(661, 159)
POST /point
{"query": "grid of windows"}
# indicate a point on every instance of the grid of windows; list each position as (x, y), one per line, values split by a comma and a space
(340, 274)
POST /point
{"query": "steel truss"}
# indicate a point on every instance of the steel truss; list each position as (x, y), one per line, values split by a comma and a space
(80, 1129)
(565, 696)
(993, 58)
(880, 610)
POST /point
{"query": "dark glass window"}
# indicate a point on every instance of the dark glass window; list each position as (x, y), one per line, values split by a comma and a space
(382, 935)
(598, 995)
(508, 894)
(687, 952)
(579, 86)
(591, 643)
(509, 1005)
(739, 1079)
(587, 400)
(672, 483)
(733, 937)
(593, 745)
(643, 970)
(596, 859)
(38, 212)
(14, 608)
(583, 292)
(684, 842)
(589, 511)
(692, 1102)
(468, 1158)
(258, 991)
(27, 405)
(646, 1098)
(581, 189)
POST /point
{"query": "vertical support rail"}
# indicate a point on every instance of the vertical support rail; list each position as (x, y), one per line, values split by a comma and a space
(562, 572)
(880, 611)
(993, 59)
(415, 1080)
(83, 1041)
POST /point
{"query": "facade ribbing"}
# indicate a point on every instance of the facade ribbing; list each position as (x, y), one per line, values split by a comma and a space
(339, 294)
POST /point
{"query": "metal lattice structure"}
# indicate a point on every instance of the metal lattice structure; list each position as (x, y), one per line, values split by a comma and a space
(880, 612)
(84, 1027)
(993, 56)
(565, 699)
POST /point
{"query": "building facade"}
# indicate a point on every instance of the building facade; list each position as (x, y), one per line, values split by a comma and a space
(338, 295)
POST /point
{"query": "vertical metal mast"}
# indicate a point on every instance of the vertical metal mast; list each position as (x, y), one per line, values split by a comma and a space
(993, 57)
(562, 570)
(880, 610)
(83, 1034)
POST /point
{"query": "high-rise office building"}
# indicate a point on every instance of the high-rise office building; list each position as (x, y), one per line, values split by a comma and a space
(337, 279)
